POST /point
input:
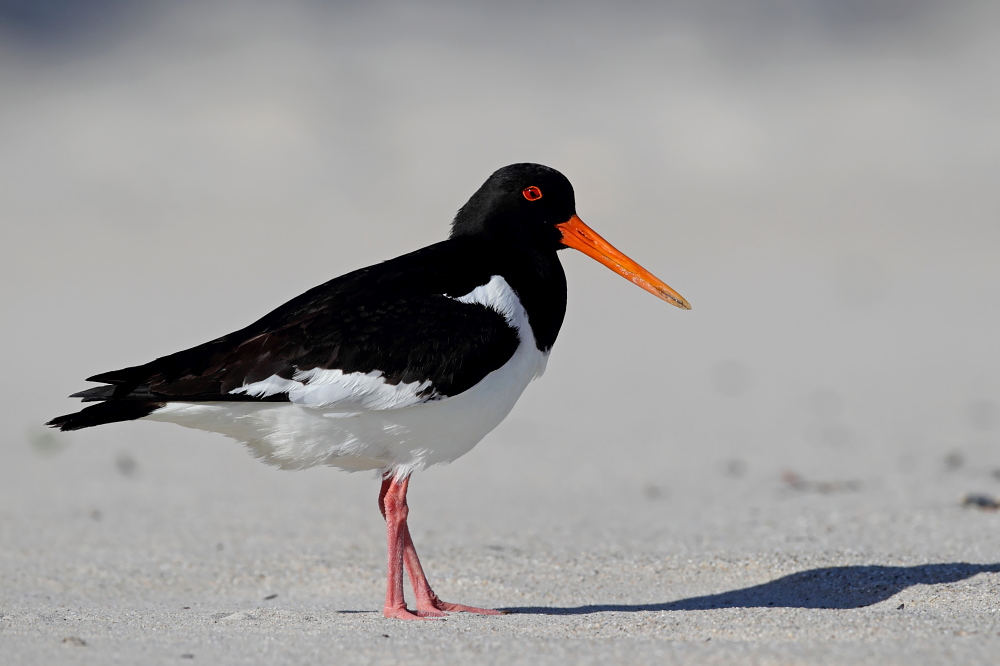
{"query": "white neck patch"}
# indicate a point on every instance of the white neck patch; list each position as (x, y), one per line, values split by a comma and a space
(498, 296)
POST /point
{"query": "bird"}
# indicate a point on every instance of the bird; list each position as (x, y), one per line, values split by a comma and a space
(394, 367)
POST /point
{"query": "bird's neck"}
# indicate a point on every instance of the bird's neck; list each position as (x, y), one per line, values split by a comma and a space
(540, 282)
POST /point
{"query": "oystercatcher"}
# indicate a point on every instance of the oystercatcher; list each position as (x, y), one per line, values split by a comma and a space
(393, 367)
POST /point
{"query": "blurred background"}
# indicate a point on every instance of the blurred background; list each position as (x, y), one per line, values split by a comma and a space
(819, 178)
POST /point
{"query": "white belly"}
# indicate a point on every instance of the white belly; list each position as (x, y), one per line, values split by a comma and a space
(345, 434)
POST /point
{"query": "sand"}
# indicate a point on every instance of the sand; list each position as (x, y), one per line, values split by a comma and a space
(144, 552)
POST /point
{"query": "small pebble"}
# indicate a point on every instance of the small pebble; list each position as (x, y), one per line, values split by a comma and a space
(981, 501)
(126, 464)
(736, 468)
(653, 492)
(954, 460)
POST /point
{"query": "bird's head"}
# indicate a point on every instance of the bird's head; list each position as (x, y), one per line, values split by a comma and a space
(533, 206)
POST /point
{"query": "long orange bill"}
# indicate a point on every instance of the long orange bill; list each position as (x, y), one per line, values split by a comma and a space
(579, 236)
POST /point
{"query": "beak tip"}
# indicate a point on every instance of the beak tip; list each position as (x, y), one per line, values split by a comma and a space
(674, 299)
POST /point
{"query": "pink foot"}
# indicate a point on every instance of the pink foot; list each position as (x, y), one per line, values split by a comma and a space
(405, 614)
(437, 606)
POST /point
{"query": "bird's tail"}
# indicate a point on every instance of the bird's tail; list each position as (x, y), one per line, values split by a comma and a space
(111, 411)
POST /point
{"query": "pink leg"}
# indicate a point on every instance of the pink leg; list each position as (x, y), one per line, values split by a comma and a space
(392, 501)
(428, 603)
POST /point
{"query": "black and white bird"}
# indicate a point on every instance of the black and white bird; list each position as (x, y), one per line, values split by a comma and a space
(394, 367)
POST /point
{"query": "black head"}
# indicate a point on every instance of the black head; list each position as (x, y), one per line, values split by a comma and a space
(530, 207)
(520, 203)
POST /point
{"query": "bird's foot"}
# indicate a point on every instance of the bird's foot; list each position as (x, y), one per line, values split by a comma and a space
(402, 613)
(437, 608)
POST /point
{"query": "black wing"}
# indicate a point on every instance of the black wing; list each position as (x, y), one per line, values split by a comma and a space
(399, 318)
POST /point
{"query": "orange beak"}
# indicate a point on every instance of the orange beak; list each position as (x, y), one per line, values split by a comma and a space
(579, 236)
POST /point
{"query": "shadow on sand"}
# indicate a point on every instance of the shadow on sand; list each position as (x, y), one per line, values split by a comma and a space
(829, 587)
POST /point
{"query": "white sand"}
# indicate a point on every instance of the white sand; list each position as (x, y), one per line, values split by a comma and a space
(773, 477)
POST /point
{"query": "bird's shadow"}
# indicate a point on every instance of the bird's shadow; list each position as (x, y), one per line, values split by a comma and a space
(826, 587)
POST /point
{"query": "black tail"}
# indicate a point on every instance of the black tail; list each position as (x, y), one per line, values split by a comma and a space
(96, 393)
(111, 411)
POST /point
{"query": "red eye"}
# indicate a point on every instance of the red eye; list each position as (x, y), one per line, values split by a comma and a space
(532, 193)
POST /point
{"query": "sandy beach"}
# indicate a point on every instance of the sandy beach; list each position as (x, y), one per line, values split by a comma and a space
(799, 470)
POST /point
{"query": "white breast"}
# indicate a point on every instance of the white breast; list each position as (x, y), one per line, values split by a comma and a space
(357, 421)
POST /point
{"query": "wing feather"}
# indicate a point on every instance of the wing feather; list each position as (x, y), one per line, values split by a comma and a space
(398, 322)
